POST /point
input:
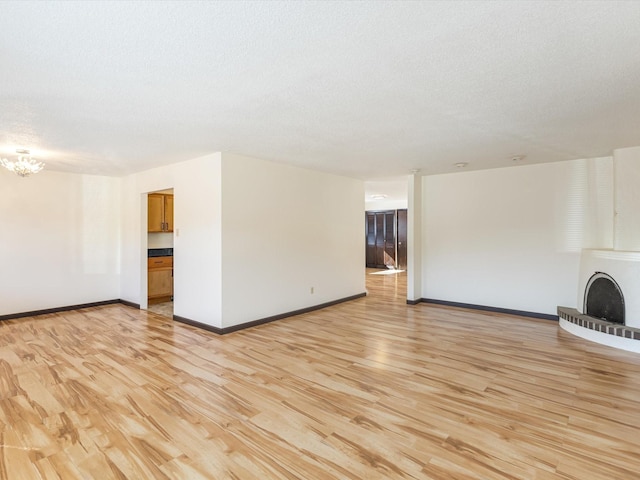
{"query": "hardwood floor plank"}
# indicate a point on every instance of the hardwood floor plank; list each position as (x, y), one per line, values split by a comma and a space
(366, 389)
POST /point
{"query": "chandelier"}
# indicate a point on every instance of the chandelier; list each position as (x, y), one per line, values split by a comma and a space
(24, 165)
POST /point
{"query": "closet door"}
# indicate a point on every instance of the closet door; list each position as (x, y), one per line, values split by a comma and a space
(390, 239)
(371, 238)
(401, 236)
(381, 239)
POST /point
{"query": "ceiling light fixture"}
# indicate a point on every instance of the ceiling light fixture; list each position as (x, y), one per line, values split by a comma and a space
(517, 158)
(460, 164)
(379, 196)
(24, 165)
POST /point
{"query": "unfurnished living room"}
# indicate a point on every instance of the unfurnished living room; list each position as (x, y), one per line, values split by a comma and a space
(320, 240)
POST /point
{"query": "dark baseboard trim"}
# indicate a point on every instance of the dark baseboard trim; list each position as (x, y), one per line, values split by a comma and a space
(47, 311)
(130, 304)
(414, 302)
(520, 313)
(261, 321)
(203, 326)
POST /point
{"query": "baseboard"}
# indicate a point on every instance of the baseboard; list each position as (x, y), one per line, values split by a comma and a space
(48, 311)
(130, 304)
(414, 302)
(485, 308)
(261, 321)
(203, 326)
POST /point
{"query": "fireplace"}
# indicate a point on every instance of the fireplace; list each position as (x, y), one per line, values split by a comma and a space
(603, 298)
(608, 304)
(604, 315)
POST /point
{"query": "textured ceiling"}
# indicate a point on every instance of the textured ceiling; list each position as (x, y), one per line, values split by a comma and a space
(365, 89)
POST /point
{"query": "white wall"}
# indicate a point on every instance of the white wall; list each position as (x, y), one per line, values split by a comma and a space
(160, 240)
(285, 230)
(251, 238)
(512, 237)
(60, 240)
(197, 236)
(627, 198)
(414, 237)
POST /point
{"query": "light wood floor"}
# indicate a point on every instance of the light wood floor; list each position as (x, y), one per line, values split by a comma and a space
(370, 389)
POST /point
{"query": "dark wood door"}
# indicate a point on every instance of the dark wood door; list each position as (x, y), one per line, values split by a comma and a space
(379, 260)
(402, 239)
(381, 239)
(371, 238)
(390, 239)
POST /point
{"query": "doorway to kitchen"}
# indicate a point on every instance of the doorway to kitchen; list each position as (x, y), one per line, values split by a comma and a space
(160, 258)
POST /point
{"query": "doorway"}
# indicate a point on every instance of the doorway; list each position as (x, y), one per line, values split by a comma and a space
(160, 252)
(386, 239)
(386, 254)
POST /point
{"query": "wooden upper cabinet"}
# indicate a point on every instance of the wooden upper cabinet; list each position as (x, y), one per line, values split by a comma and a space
(155, 212)
(160, 213)
(168, 213)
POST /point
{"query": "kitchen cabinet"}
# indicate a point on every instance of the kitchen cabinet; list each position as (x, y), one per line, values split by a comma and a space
(159, 279)
(160, 212)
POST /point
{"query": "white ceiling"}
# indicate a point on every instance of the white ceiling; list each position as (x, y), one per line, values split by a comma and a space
(395, 190)
(365, 89)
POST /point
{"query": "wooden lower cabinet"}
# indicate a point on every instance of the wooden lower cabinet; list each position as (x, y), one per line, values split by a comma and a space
(159, 279)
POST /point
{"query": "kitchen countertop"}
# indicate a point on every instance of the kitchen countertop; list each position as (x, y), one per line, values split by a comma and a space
(160, 252)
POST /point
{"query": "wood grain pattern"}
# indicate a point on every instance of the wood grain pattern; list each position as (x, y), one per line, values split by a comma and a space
(369, 389)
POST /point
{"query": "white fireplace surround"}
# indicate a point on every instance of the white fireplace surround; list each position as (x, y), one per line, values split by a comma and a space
(613, 248)
(624, 268)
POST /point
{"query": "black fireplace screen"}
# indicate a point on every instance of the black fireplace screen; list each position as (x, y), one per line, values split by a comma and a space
(604, 299)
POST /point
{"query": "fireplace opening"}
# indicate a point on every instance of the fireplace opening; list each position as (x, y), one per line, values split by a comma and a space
(603, 299)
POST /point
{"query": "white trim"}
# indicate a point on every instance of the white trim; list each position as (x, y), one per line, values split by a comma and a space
(614, 341)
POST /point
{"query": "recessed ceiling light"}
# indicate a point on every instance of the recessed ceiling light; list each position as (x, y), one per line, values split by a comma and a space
(460, 164)
(379, 196)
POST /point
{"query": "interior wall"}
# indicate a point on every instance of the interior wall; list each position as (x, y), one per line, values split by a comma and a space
(287, 230)
(512, 237)
(160, 240)
(60, 240)
(197, 236)
(627, 199)
(414, 237)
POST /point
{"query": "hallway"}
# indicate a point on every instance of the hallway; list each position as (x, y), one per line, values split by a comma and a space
(387, 286)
